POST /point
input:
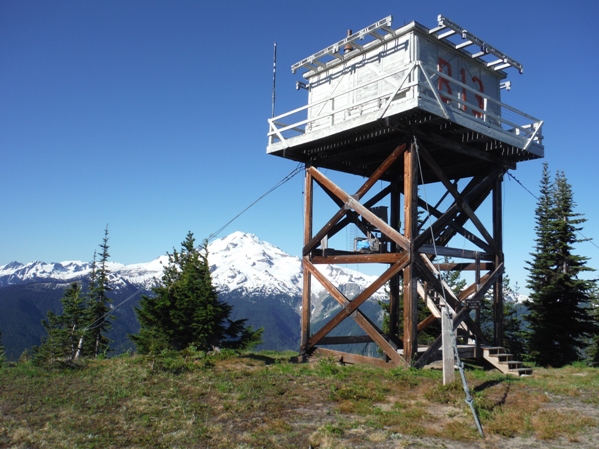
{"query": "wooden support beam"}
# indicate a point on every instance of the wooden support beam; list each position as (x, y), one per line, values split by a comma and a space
(430, 274)
(387, 230)
(456, 228)
(498, 327)
(454, 252)
(377, 335)
(306, 289)
(332, 190)
(372, 180)
(428, 300)
(351, 307)
(487, 282)
(427, 322)
(394, 282)
(475, 193)
(473, 288)
(459, 199)
(389, 258)
(349, 339)
(315, 241)
(410, 284)
(477, 280)
(484, 266)
(386, 165)
(379, 196)
(308, 206)
(352, 203)
(351, 217)
(344, 357)
(330, 194)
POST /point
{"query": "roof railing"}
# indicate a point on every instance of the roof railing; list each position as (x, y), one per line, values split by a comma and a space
(504, 60)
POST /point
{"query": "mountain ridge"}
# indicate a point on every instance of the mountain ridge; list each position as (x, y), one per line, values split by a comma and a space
(238, 262)
(262, 283)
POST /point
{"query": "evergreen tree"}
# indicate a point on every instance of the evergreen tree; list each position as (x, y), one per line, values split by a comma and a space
(185, 310)
(64, 331)
(540, 271)
(592, 349)
(559, 316)
(99, 303)
(2, 352)
(593, 346)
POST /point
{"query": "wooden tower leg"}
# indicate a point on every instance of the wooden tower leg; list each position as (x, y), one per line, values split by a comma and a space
(410, 315)
(394, 282)
(306, 292)
(498, 287)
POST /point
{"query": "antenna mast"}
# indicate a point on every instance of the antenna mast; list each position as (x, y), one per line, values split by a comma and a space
(274, 78)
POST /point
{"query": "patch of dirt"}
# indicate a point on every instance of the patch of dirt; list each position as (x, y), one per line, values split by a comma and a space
(588, 439)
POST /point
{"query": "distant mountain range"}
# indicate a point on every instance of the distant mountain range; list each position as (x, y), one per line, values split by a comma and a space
(263, 283)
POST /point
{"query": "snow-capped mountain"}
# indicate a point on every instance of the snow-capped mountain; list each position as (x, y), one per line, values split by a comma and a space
(261, 282)
(239, 262)
(16, 273)
(244, 263)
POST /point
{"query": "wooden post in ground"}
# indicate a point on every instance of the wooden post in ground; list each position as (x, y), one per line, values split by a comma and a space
(447, 346)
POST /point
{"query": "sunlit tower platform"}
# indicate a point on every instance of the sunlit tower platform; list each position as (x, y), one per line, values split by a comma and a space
(408, 107)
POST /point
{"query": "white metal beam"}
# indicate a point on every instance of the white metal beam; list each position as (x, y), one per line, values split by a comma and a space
(333, 50)
(470, 39)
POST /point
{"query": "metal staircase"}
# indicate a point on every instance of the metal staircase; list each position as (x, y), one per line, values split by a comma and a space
(497, 357)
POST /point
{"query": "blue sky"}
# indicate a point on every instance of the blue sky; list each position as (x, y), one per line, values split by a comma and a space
(150, 116)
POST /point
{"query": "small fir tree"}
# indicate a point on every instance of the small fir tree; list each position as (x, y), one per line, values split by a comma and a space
(99, 303)
(2, 352)
(560, 319)
(64, 331)
(185, 310)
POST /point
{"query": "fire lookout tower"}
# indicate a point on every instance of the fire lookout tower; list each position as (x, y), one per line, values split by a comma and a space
(409, 107)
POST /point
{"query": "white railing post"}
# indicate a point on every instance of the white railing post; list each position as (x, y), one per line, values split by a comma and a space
(485, 108)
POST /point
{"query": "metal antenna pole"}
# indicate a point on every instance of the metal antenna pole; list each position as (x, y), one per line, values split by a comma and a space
(274, 78)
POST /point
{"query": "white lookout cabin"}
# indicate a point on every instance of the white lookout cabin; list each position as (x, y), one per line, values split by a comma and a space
(414, 76)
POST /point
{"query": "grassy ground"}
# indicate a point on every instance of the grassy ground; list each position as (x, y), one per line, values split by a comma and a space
(263, 400)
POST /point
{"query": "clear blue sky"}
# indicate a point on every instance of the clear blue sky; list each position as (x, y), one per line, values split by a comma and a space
(150, 116)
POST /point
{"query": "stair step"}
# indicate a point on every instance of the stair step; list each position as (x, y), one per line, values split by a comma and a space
(492, 350)
(512, 363)
(522, 371)
(501, 360)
